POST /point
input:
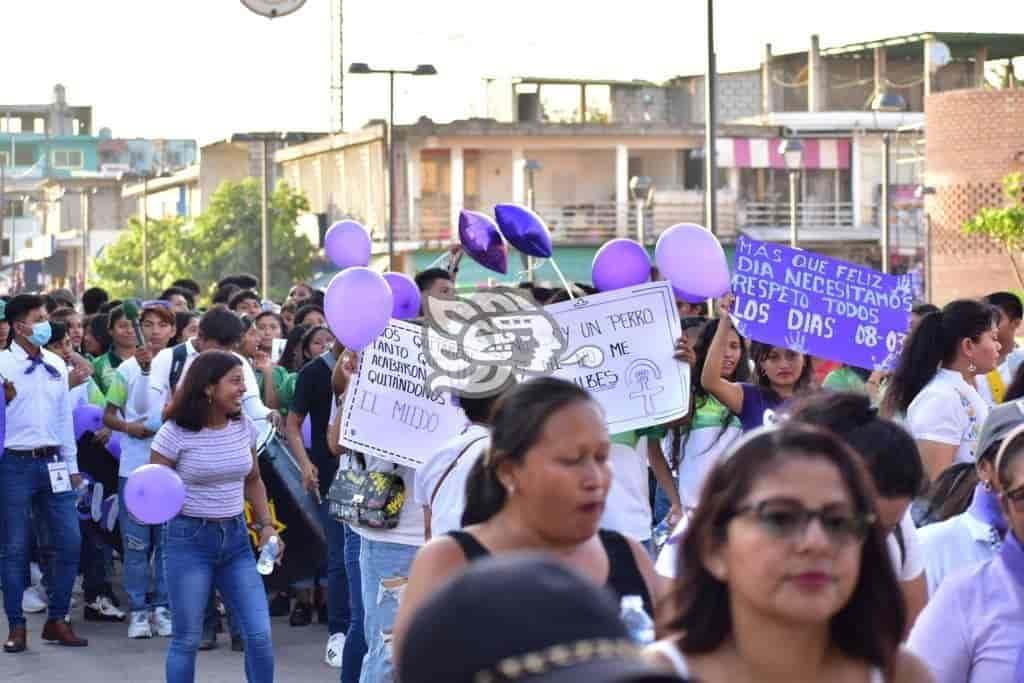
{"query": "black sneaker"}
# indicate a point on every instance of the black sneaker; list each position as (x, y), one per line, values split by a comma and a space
(280, 604)
(101, 608)
(301, 615)
(236, 644)
(209, 641)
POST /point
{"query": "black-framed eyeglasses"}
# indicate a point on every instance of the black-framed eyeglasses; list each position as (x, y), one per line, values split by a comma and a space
(788, 520)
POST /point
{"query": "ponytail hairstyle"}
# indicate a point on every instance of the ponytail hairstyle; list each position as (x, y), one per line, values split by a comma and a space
(518, 422)
(933, 343)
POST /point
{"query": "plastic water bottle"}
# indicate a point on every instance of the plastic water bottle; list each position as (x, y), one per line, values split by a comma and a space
(268, 556)
(637, 621)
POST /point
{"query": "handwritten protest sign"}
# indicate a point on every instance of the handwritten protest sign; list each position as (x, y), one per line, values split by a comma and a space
(619, 347)
(388, 412)
(819, 305)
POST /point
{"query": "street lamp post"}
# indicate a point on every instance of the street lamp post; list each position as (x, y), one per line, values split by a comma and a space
(886, 101)
(641, 189)
(792, 151)
(421, 70)
(532, 166)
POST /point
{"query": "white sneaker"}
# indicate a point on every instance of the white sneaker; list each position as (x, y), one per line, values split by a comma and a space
(335, 645)
(139, 625)
(161, 621)
(35, 574)
(34, 599)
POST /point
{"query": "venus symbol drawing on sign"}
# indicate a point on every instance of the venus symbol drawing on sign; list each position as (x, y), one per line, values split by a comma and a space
(642, 373)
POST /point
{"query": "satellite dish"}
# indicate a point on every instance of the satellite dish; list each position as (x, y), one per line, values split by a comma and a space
(272, 9)
(939, 55)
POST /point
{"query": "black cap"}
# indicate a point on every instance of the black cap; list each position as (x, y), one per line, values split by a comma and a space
(522, 618)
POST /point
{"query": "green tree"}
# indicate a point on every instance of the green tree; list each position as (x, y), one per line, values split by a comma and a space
(119, 268)
(1004, 224)
(225, 239)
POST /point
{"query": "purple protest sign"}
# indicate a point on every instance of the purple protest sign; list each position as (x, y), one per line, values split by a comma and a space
(819, 305)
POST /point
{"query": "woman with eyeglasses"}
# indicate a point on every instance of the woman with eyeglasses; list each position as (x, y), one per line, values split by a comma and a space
(784, 573)
(782, 374)
(973, 629)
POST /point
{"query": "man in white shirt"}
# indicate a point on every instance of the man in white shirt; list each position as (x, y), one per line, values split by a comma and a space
(39, 469)
(993, 386)
(221, 330)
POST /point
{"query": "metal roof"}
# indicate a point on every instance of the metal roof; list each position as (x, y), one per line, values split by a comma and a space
(961, 45)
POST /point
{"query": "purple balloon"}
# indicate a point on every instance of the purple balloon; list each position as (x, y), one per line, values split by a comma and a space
(358, 306)
(688, 298)
(480, 238)
(693, 260)
(524, 229)
(114, 445)
(347, 244)
(86, 418)
(154, 494)
(307, 433)
(405, 294)
(620, 263)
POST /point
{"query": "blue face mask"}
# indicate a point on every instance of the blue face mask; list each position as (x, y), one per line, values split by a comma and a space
(41, 334)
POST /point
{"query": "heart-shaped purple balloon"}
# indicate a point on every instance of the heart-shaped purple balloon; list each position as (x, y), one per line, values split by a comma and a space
(524, 229)
(406, 296)
(480, 238)
(620, 263)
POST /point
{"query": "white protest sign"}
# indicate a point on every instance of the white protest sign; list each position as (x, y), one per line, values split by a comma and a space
(388, 412)
(619, 347)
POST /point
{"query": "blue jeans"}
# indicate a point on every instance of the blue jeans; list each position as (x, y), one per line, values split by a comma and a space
(355, 642)
(199, 556)
(385, 571)
(338, 611)
(24, 481)
(142, 545)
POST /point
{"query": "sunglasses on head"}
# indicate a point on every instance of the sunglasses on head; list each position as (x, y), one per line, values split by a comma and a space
(156, 303)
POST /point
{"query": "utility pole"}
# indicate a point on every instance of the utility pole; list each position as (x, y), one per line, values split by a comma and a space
(265, 225)
(145, 236)
(337, 69)
(710, 119)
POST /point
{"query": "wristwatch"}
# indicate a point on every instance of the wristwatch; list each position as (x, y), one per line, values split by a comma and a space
(260, 526)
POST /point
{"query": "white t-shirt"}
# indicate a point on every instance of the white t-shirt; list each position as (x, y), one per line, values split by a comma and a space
(628, 507)
(450, 502)
(908, 561)
(701, 450)
(948, 410)
(954, 544)
(134, 452)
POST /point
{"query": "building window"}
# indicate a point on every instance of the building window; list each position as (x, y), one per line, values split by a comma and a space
(15, 208)
(67, 158)
(24, 155)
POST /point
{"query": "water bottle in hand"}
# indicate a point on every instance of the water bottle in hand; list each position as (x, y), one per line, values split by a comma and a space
(637, 621)
(268, 556)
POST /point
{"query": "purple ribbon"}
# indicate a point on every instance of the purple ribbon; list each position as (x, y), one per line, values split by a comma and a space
(985, 506)
(37, 361)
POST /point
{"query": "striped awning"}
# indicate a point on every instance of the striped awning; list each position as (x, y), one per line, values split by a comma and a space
(823, 153)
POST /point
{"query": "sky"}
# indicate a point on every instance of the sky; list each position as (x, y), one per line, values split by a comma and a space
(204, 69)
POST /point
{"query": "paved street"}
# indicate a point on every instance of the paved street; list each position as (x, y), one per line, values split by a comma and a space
(111, 657)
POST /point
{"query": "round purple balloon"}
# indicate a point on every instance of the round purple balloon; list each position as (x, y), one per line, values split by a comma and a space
(688, 298)
(620, 263)
(347, 244)
(86, 418)
(358, 306)
(154, 494)
(693, 260)
(480, 238)
(524, 229)
(405, 294)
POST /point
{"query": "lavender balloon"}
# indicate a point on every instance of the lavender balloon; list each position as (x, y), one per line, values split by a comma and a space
(524, 229)
(405, 294)
(693, 260)
(480, 238)
(154, 494)
(347, 244)
(688, 298)
(620, 263)
(358, 306)
(86, 418)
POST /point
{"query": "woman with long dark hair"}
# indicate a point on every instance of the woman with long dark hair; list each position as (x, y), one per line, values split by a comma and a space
(211, 444)
(782, 374)
(541, 486)
(934, 384)
(783, 572)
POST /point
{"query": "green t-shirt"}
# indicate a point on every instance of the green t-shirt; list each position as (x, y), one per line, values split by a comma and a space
(105, 369)
(843, 379)
(284, 384)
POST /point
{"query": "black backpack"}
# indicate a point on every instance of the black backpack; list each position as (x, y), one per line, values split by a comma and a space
(180, 355)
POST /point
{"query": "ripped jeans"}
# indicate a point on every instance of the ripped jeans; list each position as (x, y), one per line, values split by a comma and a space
(385, 570)
(143, 560)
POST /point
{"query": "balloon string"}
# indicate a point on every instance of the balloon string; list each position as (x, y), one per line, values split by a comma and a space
(437, 260)
(561, 277)
(537, 266)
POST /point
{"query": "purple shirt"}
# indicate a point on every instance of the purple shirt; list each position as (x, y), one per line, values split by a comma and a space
(972, 630)
(757, 400)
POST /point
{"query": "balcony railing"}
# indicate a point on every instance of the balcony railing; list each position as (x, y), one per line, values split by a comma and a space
(808, 214)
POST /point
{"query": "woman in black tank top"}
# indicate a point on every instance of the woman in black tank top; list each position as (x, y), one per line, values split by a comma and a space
(542, 486)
